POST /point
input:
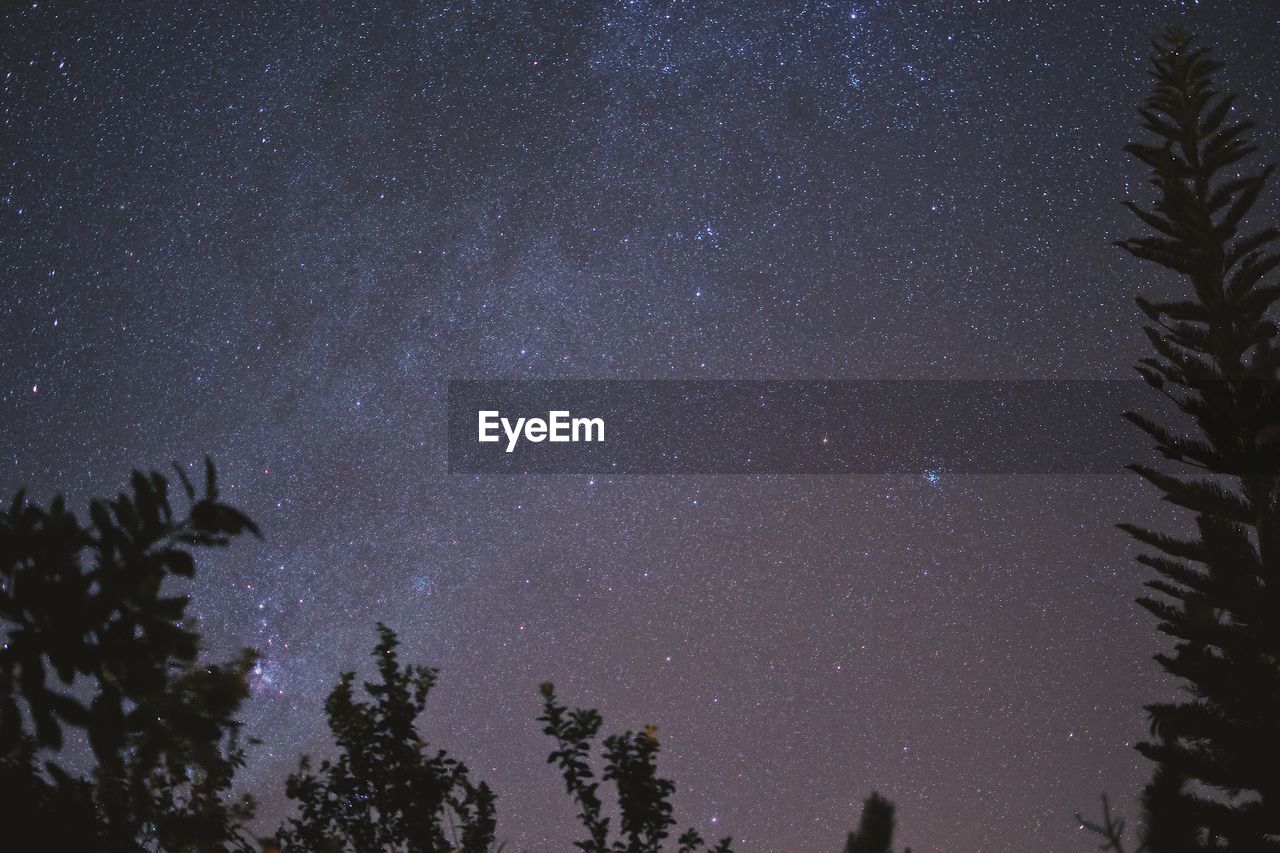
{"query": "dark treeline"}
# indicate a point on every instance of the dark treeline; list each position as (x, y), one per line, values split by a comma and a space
(84, 603)
(95, 640)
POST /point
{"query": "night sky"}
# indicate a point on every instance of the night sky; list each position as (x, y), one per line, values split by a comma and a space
(272, 232)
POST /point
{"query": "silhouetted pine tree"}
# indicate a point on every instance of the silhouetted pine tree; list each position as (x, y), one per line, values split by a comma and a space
(1217, 783)
(88, 606)
(386, 790)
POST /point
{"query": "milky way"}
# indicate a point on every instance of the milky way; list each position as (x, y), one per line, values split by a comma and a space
(273, 232)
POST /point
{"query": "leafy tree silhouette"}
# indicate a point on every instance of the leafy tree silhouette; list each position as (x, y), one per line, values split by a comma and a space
(86, 604)
(1217, 753)
(644, 798)
(386, 791)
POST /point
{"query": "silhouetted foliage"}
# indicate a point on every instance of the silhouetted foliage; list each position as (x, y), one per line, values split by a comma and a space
(1110, 828)
(89, 606)
(644, 798)
(1217, 782)
(875, 827)
(95, 642)
(386, 790)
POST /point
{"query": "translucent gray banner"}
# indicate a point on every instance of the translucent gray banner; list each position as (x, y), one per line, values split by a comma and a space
(798, 427)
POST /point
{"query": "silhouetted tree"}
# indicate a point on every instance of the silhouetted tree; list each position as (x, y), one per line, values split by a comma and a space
(94, 641)
(1217, 782)
(644, 798)
(386, 791)
(875, 827)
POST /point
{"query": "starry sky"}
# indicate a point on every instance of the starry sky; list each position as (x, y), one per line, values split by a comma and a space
(272, 232)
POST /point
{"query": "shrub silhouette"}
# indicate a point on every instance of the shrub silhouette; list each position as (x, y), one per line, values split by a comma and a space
(86, 604)
(644, 798)
(386, 790)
